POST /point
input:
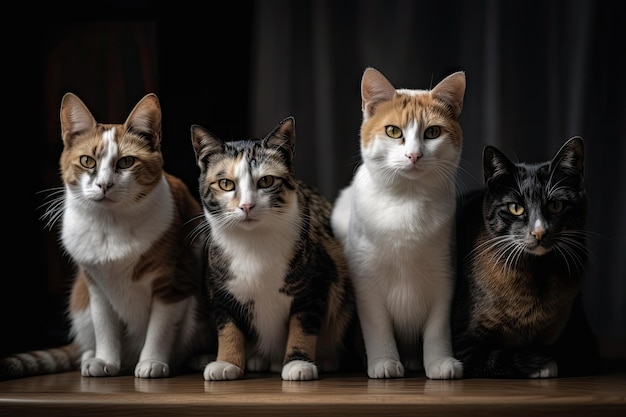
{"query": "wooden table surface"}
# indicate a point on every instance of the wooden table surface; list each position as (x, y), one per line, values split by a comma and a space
(69, 394)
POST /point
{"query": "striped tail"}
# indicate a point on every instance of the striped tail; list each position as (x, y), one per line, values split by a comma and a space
(39, 362)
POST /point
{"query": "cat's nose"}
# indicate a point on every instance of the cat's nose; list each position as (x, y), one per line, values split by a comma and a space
(105, 186)
(414, 156)
(538, 233)
(247, 207)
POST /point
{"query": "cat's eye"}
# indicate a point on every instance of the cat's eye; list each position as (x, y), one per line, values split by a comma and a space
(516, 209)
(226, 185)
(87, 161)
(393, 132)
(432, 132)
(555, 206)
(266, 181)
(125, 162)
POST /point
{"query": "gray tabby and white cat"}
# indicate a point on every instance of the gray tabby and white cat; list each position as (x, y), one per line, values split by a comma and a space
(521, 259)
(278, 280)
(137, 303)
(396, 221)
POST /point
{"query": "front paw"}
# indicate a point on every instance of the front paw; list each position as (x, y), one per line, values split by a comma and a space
(385, 368)
(445, 368)
(551, 370)
(299, 371)
(98, 367)
(149, 368)
(222, 371)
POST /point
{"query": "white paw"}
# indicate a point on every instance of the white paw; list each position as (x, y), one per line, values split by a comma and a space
(551, 370)
(222, 371)
(445, 368)
(150, 368)
(98, 367)
(385, 368)
(299, 371)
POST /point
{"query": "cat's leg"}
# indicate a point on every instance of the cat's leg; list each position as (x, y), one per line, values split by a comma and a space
(163, 332)
(439, 362)
(300, 352)
(231, 355)
(383, 359)
(108, 334)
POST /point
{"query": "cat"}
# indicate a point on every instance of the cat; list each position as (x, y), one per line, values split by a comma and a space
(396, 222)
(278, 279)
(137, 302)
(521, 258)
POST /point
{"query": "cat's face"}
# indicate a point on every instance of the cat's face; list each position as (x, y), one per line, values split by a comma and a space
(410, 133)
(110, 164)
(246, 183)
(536, 208)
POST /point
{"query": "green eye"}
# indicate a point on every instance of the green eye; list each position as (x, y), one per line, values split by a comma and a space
(516, 209)
(226, 185)
(266, 181)
(87, 161)
(393, 132)
(432, 132)
(555, 206)
(126, 162)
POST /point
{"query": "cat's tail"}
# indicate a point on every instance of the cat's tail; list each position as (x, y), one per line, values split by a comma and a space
(39, 362)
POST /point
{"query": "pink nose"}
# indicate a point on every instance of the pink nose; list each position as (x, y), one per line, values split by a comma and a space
(413, 156)
(246, 208)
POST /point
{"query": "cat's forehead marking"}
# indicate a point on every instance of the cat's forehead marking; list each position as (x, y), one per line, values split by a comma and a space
(110, 146)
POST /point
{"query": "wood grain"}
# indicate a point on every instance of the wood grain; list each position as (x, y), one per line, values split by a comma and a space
(69, 394)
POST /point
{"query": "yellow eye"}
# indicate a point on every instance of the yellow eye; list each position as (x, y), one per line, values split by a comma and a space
(126, 162)
(555, 206)
(87, 161)
(516, 209)
(393, 132)
(266, 181)
(432, 132)
(226, 185)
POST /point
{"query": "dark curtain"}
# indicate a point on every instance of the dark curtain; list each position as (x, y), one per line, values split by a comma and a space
(538, 73)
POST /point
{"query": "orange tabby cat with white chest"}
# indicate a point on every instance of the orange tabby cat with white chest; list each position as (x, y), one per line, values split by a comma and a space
(136, 304)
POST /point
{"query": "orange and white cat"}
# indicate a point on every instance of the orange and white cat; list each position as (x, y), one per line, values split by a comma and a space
(396, 221)
(137, 301)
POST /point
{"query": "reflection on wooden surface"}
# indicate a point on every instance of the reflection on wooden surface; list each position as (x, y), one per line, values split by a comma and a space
(69, 394)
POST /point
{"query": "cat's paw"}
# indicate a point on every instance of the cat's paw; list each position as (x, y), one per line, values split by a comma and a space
(551, 370)
(150, 368)
(222, 371)
(385, 368)
(98, 367)
(445, 368)
(299, 371)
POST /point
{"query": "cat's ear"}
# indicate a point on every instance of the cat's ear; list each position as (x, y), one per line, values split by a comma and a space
(283, 137)
(451, 90)
(145, 119)
(375, 89)
(570, 157)
(76, 118)
(204, 143)
(495, 163)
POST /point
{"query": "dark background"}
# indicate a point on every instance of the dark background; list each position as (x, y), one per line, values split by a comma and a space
(538, 72)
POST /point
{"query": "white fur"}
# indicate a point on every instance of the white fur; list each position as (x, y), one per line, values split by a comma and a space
(396, 222)
(124, 324)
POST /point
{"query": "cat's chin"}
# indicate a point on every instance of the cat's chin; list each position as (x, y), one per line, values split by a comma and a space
(539, 250)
